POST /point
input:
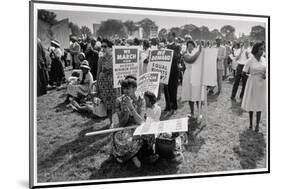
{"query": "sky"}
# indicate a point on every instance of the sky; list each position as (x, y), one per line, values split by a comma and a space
(89, 18)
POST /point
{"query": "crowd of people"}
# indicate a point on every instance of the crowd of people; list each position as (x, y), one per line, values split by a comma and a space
(243, 61)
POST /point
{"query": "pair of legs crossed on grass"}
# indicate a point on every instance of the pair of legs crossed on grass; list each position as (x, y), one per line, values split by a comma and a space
(258, 118)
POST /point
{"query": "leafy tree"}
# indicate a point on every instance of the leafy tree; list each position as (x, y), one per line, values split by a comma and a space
(215, 33)
(205, 33)
(75, 30)
(163, 33)
(111, 28)
(85, 31)
(196, 34)
(228, 32)
(177, 31)
(257, 33)
(184, 32)
(47, 16)
(146, 24)
(131, 26)
(189, 27)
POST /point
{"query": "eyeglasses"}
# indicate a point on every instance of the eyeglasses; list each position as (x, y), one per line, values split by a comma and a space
(104, 46)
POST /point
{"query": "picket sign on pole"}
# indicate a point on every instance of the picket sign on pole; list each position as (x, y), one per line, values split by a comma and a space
(110, 130)
(201, 85)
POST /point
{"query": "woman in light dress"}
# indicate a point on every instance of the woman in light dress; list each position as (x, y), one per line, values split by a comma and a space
(254, 99)
(81, 89)
(153, 110)
(190, 92)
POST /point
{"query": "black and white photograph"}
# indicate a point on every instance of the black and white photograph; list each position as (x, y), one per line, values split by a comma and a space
(121, 94)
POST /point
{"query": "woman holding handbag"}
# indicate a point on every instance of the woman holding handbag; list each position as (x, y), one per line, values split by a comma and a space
(105, 90)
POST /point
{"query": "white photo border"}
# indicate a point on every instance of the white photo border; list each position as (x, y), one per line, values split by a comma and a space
(35, 5)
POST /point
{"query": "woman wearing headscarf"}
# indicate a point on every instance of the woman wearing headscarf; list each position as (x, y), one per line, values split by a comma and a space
(105, 89)
(254, 99)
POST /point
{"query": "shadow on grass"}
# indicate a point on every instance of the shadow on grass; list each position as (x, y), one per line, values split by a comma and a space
(251, 149)
(61, 107)
(180, 103)
(236, 108)
(212, 98)
(194, 142)
(82, 147)
(110, 168)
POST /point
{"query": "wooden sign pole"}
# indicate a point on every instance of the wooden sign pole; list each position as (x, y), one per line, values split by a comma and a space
(110, 130)
(201, 85)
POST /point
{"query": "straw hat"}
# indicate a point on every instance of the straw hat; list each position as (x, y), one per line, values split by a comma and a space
(218, 38)
(85, 65)
(188, 36)
(74, 38)
(55, 42)
(82, 54)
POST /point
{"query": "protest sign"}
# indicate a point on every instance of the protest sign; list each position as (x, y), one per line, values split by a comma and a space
(209, 69)
(148, 82)
(160, 61)
(125, 62)
(168, 126)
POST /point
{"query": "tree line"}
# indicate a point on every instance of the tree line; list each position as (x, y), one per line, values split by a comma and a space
(113, 27)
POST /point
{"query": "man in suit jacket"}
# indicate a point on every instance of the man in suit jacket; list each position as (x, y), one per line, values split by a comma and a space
(170, 90)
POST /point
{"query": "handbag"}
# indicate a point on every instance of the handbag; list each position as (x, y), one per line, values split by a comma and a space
(165, 147)
(98, 108)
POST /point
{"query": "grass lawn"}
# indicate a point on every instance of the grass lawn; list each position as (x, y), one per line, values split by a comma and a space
(65, 154)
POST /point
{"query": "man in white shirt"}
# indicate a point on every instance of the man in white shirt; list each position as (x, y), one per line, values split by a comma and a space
(241, 59)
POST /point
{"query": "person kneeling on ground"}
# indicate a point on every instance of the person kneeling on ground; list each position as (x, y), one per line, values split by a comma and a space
(130, 110)
(79, 90)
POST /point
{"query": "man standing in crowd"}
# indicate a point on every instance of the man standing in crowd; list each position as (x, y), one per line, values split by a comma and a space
(92, 56)
(74, 50)
(227, 59)
(171, 89)
(220, 62)
(241, 59)
(42, 79)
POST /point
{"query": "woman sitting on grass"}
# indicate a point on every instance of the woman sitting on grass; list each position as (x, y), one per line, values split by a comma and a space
(82, 88)
(153, 110)
(130, 110)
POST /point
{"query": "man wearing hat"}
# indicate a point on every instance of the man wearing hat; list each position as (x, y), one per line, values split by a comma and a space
(74, 50)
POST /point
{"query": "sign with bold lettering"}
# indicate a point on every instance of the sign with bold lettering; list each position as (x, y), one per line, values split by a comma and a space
(148, 82)
(160, 61)
(125, 62)
(168, 126)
